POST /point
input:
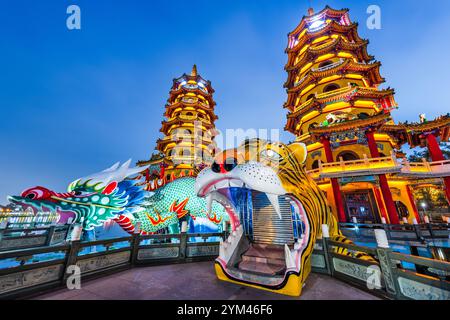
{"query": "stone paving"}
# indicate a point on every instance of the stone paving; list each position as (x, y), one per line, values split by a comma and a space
(194, 281)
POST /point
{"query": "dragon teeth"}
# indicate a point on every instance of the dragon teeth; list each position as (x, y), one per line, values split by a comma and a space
(209, 200)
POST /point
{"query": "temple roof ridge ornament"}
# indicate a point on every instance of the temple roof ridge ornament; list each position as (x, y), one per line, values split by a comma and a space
(194, 71)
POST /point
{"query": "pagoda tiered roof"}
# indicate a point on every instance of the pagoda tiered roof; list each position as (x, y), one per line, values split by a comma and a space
(184, 89)
(179, 121)
(194, 76)
(326, 12)
(357, 124)
(412, 133)
(349, 94)
(336, 45)
(186, 103)
(349, 31)
(371, 69)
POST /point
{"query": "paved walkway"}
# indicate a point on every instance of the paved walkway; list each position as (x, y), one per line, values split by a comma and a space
(194, 281)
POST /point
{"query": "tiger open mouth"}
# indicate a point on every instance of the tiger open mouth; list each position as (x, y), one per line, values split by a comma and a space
(242, 190)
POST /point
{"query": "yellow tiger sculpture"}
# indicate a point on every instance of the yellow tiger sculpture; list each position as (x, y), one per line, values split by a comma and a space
(253, 252)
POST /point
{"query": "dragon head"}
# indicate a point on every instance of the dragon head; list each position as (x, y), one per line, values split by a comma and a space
(91, 200)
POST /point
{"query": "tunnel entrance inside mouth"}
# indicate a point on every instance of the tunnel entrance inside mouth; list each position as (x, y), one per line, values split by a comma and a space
(268, 228)
(260, 221)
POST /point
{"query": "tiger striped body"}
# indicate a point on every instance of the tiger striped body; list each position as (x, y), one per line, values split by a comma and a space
(277, 170)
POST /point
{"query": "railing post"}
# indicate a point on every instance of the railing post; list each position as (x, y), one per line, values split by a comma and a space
(366, 160)
(427, 164)
(72, 256)
(325, 238)
(183, 240)
(50, 233)
(387, 230)
(417, 229)
(406, 164)
(386, 264)
(135, 242)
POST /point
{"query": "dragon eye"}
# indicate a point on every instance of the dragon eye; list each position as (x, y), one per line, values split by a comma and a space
(30, 196)
(78, 193)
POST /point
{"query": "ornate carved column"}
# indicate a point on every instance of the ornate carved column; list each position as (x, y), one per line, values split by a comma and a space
(334, 182)
(387, 195)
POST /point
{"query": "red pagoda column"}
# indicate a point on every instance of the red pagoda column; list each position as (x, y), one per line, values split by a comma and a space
(437, 155)
(413, 204)
(334, 182)
(387, 195)
(381, 206)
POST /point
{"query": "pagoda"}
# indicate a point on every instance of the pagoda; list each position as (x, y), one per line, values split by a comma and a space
(337, 108)
(188, 128)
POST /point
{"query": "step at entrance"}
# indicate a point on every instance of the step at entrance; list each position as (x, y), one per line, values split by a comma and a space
(268, 228)
(264, 259)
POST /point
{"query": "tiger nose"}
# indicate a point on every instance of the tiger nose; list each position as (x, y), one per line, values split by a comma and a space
(227, 166)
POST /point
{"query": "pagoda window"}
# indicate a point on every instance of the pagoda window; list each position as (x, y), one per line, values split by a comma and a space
(315, 165)
(185, 153)
(312, 95)
(348, 156)
(313, 125)
(325, 64)
(363, 115)
(331, 87)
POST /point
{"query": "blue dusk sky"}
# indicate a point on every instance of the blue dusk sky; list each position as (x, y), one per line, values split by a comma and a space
(74, 102)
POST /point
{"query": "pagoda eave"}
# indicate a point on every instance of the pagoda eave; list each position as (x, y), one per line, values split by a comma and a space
(374, 121)
(330, 12)
(332, 28)
(360, 49)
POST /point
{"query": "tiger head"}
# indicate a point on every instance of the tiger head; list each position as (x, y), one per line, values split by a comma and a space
(272, 177)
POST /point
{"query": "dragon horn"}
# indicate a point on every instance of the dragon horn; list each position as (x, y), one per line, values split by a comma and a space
(113, 167)
(126, 164)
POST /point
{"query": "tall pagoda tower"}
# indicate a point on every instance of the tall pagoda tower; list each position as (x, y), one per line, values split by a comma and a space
(188, 129)
(335, 104)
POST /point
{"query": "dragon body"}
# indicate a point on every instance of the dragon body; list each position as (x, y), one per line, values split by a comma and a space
(108, 196)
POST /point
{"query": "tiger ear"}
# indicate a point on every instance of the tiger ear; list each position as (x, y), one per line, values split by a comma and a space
(299, 150)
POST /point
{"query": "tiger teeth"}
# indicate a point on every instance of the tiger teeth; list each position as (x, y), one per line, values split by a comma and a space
(273, 198)
(289, 259)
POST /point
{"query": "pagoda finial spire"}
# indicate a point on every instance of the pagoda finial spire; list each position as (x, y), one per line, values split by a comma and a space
(194, 71)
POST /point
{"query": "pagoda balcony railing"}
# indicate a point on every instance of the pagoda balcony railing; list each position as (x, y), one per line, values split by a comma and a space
(426, 169)
(187, 137)
(383, 165)
(192, 100)
(194, 86)
(361, 167)
(330, 66)
(193, 117)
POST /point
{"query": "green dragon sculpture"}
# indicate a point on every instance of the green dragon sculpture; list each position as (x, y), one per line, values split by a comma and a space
(111, 196)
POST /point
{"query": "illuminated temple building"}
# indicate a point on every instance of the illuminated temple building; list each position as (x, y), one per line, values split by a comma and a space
(188, 143)
(336, 107)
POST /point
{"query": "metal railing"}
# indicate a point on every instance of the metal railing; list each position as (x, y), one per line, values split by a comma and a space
(397, 232)
(385, 275)
(31, 271)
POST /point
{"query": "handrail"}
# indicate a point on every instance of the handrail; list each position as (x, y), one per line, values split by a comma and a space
(383, 163)
(438, 264)
(351, 246)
